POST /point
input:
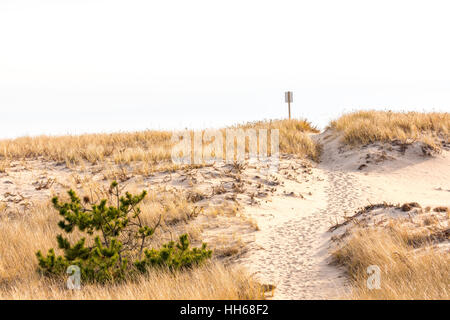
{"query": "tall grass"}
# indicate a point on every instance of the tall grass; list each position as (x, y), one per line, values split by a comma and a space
(148, 146)
(406, 272)
(363, 127)
(294, 136)
(209, 282)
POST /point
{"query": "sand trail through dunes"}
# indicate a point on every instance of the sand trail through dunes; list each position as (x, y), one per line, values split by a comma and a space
(291, 250)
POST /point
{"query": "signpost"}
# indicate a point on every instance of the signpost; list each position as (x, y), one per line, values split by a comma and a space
(289, 97)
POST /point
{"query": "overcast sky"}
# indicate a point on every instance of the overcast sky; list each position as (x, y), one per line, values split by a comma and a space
(73, 66)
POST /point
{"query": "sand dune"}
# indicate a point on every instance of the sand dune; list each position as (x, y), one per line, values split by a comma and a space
(294, 240)
(276, 225)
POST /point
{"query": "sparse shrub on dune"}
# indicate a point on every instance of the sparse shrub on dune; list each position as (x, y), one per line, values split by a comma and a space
(18, 265)
(115, 242)
(363, 127)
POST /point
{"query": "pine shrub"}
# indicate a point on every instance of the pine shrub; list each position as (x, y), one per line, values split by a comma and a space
(115, 245)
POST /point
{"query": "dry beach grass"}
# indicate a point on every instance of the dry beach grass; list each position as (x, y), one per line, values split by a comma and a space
(407, 251)
(148, 146)
(363, 127)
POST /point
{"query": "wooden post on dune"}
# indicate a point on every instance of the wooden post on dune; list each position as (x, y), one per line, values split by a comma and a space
(288, 97)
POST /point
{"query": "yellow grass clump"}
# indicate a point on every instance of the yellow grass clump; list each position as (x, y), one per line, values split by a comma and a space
(407, 272)
(150, 146)
(294, 136)
(146, 146)
(363, 127)
(209, 282)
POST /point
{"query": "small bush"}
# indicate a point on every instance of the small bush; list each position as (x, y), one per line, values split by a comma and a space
(116, 240)
(174, 255)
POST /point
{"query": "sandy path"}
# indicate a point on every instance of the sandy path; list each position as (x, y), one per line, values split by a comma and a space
(292, 244)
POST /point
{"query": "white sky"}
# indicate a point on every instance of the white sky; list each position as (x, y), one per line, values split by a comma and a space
(73, 66)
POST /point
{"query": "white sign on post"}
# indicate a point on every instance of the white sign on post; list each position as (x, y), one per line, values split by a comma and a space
(289, 96)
